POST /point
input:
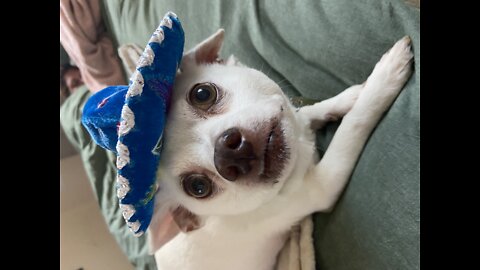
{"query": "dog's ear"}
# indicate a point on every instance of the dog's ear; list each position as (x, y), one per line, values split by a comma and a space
(162, 229)
(166, 225)
(186, 220)
(206, 51)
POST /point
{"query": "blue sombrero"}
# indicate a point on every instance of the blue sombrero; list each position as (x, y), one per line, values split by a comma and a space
(129, 120)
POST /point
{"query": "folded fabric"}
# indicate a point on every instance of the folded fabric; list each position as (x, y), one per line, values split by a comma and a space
(83, 36)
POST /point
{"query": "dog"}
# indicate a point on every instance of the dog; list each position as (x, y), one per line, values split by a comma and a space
(239, 166)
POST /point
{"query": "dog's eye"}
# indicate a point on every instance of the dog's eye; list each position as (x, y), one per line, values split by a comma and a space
(198, 186)
(203, 95)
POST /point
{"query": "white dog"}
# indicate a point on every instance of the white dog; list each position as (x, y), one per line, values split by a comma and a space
(239, 166)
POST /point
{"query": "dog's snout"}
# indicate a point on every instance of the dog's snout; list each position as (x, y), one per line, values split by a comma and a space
(233, 154)
(232, 138)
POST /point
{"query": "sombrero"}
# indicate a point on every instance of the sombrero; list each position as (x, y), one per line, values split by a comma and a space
(130, 120)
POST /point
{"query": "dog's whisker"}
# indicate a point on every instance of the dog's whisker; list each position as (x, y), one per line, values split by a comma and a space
(266, 72)
(261, 68)
(279, 82)
(286, 86)
(282, 85)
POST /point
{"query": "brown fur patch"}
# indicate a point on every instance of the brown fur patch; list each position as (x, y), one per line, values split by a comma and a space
(185, 220)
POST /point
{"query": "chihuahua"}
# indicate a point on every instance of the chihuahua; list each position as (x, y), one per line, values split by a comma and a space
(239, 167)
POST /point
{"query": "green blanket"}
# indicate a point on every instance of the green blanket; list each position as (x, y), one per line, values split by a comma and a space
(313, 49)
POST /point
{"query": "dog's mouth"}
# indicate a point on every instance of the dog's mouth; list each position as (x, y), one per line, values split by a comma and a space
(275, 153)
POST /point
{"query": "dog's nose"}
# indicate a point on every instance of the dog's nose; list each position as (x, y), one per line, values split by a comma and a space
(233, 154)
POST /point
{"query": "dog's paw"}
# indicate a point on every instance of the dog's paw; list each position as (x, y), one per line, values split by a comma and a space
(397, 62)
(393, 70)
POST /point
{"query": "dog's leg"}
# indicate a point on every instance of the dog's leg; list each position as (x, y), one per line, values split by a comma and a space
(330, 109)
(328, 178)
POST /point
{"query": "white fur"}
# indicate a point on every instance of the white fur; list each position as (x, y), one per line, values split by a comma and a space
(245, 225)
